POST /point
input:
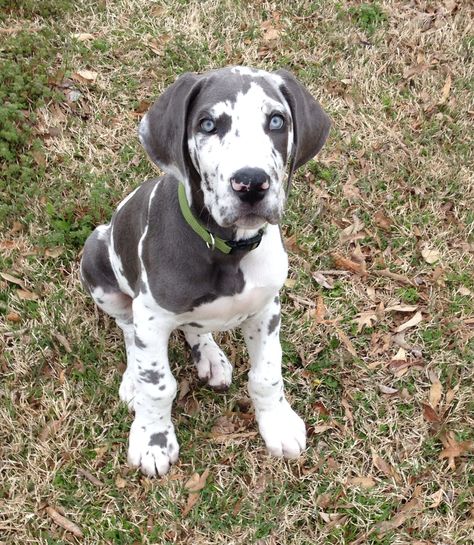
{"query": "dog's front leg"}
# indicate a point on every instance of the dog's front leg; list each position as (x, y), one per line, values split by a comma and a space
(152, 445)
(281, 428)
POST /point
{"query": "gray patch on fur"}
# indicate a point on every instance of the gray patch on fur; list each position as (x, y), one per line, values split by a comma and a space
(273, 323)
(139, 343)
(158, 439)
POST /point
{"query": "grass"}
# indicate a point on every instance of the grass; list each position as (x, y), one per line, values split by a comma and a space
(395, 80)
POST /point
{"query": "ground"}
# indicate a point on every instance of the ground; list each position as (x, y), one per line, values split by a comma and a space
(378, 312)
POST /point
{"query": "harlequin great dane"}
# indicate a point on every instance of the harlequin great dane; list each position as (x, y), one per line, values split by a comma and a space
(200, 249)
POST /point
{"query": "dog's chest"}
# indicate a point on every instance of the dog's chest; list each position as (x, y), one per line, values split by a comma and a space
(264, 272)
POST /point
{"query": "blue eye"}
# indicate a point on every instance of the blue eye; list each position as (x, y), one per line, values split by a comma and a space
(207, 125)
(276, 122)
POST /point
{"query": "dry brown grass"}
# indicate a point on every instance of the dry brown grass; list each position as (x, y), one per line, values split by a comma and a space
(400, 96)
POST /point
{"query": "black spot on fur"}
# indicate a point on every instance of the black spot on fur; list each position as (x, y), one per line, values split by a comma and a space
(151, 318)
(196, 353)
(223, 123)
(194, 324)
(100, 301)
(275, 383)
(158, 439)
(152, 377)
(143, 286)
(273, 323)
(138, 342)
(276, 300)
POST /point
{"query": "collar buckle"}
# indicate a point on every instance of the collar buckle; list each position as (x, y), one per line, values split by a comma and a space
(211, 245)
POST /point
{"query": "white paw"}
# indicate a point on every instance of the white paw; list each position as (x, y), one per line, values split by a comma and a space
(212, 366)
(282, 430)
(127, 389)
(152, 448)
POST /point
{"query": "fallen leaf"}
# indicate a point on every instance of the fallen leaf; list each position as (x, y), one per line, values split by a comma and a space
(222, 426)
(63, 341)
(290, 283)
(191, 502)
(453, 449)
(346, 342)
(321, 428)
(429, 255)
(120, 482)
(271, 34)
(347, 410)
(65, 523)
(412, 322)
(401, 308)
(88, 475)
(436, 499)
(363, 482)
(56, 251)
(50, 428)
(341, 262)
(465, 291)
(408, 510)
(27, 295)
(393, 276)
(446, 90)
(382, 221)
(184, 389)
(365, 319)
(12, 279)
(85, 76)
(323, 281)
(429, 414)
(385, 467)
(13, 316)
(435, 394)
(320, 310)
(387, 389)
(197, 482)
(83, 36)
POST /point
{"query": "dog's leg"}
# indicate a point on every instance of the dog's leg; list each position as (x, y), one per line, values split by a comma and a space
(281, 428)
(152, 445)
(212, 365)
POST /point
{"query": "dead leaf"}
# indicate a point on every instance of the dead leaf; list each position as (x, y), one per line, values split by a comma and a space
(63, 522)
(436, 499)
(446, 90)
(435, 394)
(63, 341)
(56, 251)
(410, 509)
(223, 426)
(346, 342)
(465, 291)
(429, 255)
(88, 475)
(184, 389)
(197, 482)
(401, 308)
(192, 500)
(363, 482)
(453, 449)
(429, 414)
(415, 70)
(383, 221)
(385, 467)
(387, 389)
(290, 283)
(412, 322)
(271, 34)
(347, 410)
(120, 482)
(365, 319)
(393, 276)
(85, 76)
(27, 295)
(321, 428)
(13, 279)
(83, 36)
(13, 316)
(341, 262)
(320, 311)
(323, 281)
(350, 191)
(50, 429)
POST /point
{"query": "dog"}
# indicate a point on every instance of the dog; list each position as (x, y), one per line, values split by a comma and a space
(200, 249)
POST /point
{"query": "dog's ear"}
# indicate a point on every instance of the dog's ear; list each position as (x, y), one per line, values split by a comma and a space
(162, 130)
(310, 123)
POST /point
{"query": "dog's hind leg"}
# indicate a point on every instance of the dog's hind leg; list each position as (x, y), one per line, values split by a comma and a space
(99, 280)
(212, 365)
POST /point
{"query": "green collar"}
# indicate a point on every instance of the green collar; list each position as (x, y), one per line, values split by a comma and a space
(212, 242)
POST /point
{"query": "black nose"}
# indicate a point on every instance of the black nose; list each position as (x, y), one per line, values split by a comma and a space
(250, 184)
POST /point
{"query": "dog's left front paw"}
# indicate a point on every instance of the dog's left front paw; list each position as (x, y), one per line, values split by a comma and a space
(152, 449)
(282, 430)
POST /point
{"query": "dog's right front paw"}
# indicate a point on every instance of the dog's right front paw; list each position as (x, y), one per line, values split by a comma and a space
(152, 448)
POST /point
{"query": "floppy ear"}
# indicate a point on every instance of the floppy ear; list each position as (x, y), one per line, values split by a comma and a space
(162, 130)
(310, 123)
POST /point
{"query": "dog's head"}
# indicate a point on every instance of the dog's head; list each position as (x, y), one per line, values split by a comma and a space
(235, 130)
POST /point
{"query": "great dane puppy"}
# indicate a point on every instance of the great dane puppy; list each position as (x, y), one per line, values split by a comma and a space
(200, 249)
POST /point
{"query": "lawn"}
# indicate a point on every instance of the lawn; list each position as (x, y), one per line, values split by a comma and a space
(378, 310)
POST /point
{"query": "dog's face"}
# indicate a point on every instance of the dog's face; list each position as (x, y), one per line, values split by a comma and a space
(238, 128)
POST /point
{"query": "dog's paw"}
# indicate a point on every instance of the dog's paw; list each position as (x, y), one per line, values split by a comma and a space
(152, 448)
(282, 430)
(127, 389)
(213, 367)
